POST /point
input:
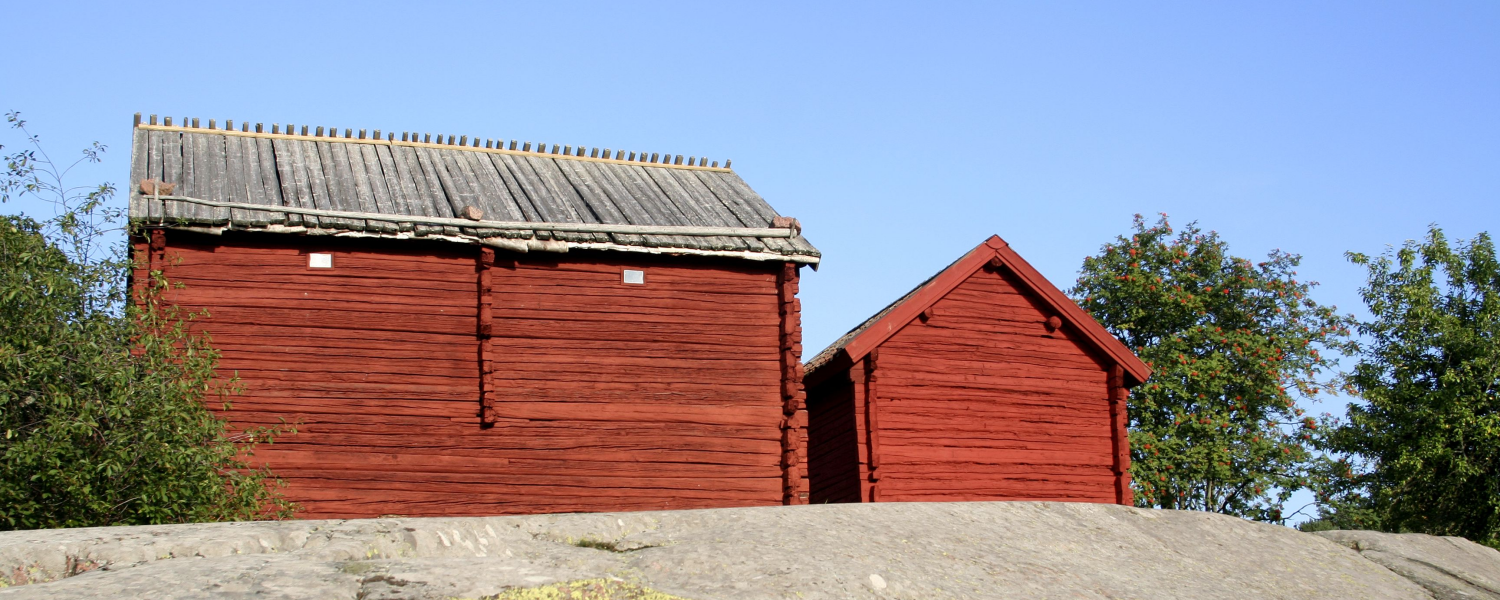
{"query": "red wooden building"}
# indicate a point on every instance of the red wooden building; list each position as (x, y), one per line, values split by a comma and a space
(462, 327)
(984, 383)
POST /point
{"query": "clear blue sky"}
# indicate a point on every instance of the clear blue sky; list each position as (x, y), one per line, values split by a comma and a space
(900, 134)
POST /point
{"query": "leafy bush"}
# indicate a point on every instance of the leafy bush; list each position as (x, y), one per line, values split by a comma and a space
(102, 394)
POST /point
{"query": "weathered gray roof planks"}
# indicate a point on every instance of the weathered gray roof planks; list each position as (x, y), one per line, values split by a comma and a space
(437, 181)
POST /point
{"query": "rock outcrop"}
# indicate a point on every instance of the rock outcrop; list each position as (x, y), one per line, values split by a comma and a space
(928, 551)
(1451, 568)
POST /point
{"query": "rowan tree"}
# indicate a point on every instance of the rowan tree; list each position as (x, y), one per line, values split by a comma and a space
(1421, 450)
(1232, 344)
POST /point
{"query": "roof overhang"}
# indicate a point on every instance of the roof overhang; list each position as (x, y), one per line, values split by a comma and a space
(993, 252)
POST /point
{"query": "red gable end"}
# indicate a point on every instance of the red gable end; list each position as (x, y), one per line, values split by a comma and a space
(993, 252)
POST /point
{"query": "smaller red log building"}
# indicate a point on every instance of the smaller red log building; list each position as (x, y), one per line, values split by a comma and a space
(984, 383)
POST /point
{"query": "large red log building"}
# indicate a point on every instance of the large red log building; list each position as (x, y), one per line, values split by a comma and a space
(984, 383)
(457, 327)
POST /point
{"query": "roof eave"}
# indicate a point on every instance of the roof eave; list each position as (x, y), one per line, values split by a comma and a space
(819, 373)
(1072, 313)
(523, 246)
(942, 284)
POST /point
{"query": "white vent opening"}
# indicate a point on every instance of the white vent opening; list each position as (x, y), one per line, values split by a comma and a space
(320, 260)
(635, 277)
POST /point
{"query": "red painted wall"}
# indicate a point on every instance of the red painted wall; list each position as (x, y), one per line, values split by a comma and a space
(835, 442)
(664, 393)
(610, 396)
(980, 402)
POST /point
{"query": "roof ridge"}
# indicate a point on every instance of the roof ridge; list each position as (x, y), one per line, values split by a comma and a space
(992, 253)
(516, 148)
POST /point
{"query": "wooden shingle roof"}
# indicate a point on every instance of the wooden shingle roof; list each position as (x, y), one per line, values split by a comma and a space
(994, 252)
(502, 197)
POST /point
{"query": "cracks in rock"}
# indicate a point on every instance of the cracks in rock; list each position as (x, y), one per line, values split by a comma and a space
(375, 585)
(616, 546)
(1403, 566)
(1455, 575)
(602, 536)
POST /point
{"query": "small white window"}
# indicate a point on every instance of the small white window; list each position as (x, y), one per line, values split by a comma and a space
(636, 277)
(320, 260)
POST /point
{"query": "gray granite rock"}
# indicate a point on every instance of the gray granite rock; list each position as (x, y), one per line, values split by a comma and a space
(1451, 568)
(895, 550)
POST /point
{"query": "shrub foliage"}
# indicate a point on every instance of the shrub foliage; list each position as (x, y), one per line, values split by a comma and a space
(102, 399)
(1421, 450)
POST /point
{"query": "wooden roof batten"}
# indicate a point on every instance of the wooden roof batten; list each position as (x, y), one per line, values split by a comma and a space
(858, 342)
(369, 184)
(766, 232)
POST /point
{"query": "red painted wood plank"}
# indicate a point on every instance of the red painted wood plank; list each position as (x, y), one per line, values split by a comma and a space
(925, 455)
(670, 385)
(517, 465)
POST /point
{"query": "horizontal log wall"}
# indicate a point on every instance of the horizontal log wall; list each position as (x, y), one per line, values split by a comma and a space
(833, 464)
(670, 390)
(983, 402)
(605, 396)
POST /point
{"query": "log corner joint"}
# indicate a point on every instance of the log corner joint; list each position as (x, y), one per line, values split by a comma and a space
(483, 331)
(793, 395)
(1119, 421)
(872, 421)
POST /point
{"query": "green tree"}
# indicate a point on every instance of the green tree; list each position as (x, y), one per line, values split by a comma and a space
(1421, 450)
(1229, 341)
(101, 397)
